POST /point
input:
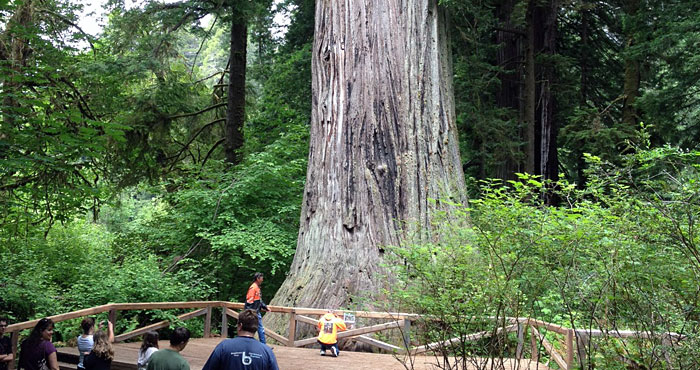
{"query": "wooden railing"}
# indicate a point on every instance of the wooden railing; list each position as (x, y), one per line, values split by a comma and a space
(575, 342)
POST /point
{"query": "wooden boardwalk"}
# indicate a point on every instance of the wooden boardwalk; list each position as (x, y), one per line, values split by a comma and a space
(288, 358)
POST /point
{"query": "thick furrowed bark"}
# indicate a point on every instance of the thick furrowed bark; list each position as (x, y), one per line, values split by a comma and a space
(383, 143)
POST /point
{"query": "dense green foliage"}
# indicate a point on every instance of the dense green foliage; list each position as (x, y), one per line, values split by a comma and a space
(168, 219)
(594, 39)
(620, 253)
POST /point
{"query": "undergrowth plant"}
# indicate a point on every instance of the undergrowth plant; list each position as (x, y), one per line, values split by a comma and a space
(619, 254)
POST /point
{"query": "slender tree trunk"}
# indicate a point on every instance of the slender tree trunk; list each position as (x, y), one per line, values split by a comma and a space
(530, 92)
(235, 112)
(546, 20)
(631, 91)
(539, 79)
(14, 55)
(584, 52)
(632, 74)
(383, 143)
(509, 57)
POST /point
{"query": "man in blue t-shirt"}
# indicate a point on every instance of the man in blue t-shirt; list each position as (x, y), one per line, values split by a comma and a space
(242, 352)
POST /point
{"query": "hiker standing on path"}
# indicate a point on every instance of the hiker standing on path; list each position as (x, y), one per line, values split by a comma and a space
(328, 327)
(86, 340)
(170, 358)
(102, 353)
(148, 348)
(242, 352)
(253, 301)
(37, 352)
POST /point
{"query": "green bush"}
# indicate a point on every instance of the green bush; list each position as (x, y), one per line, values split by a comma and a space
(616, 255)
(76, 267)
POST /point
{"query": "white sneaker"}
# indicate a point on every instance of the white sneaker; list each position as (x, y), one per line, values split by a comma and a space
(334, 351)
(323, 352)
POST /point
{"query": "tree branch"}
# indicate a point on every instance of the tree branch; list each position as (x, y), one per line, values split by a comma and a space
(67, 21)
(189, 151)
(201, 45)
(88, 111)
(188, 14)
(197, 113)
(510, 30)
(206, 78)
(155, 7)
(211, 151)
(21, 182)
(185, 146)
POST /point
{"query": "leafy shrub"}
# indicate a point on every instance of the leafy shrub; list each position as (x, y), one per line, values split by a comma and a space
(616, 255)
(75, 267)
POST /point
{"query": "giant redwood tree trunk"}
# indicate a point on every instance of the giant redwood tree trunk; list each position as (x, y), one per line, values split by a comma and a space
(383, 143)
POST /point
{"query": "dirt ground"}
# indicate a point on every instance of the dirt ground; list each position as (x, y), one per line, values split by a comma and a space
(309, 359)
(198, 350)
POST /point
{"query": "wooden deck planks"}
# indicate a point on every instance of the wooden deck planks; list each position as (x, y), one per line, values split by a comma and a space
(198, 350)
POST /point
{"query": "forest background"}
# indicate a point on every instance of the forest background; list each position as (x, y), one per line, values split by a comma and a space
(133, 171)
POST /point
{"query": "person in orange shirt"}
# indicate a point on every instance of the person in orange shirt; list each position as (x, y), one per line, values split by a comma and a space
(328, 327)
(253, 301)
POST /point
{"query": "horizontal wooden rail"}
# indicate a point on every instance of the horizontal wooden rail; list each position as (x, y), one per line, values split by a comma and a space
(377, 343)
(354, 332)
(459, 340)
(360, 338)
(277, 337)
(371, 329)
(364, 314)
(307, 320)
(574, 339)
(234, 305)
(59, 318)
(158, 325)
(232, 313)
(626, 334)
(549, 326)
(165, 305)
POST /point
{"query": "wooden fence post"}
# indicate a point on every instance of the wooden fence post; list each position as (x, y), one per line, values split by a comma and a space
(521, 340)
(14, 338)
(207, 323)
(407, 334)
(570, 348)
(113, 317)
(533, 346)
(224, 323)
(292, 327)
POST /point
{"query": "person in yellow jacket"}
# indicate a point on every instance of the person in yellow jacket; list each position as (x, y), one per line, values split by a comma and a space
(328, 327)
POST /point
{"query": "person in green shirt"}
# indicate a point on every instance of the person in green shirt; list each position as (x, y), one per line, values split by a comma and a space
(170, 358)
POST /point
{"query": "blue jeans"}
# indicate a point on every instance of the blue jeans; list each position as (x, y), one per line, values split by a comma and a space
(261, 329)
(325, 347)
